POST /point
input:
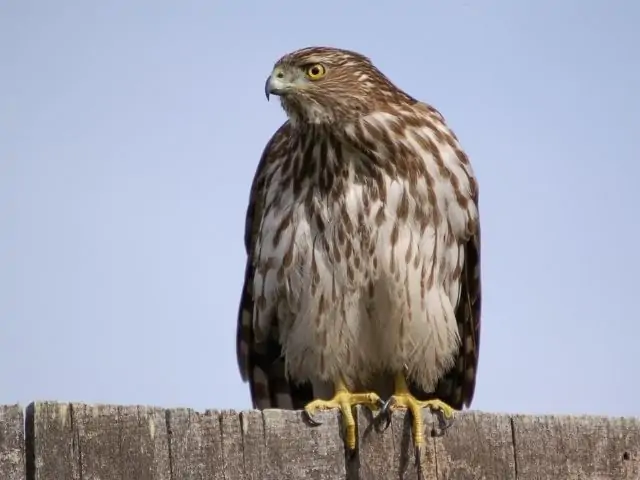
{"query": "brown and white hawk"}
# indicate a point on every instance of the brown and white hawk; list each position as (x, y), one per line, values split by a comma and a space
(363, 242)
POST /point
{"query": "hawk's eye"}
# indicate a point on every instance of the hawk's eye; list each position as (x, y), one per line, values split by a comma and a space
(316, 71)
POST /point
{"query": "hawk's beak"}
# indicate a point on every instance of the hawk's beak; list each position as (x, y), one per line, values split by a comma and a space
(275, 85)
(267, 87)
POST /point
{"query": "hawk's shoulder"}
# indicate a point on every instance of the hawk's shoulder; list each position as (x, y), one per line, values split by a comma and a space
(272, 152)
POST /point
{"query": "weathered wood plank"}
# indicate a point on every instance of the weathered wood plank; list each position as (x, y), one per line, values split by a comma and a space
(477, 445)
(388, 452)
(375, 459)
(233, 464)
(12, 460)
(51, 448)
(572, 448)
(121, 441)
(195, 444)
(294, 449)
(75, 441)
(278, 444)
(254, 448)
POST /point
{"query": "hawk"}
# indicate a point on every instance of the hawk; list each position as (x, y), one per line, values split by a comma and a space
(362, 234)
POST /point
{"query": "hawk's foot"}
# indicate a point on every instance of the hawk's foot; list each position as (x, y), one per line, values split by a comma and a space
(344, 400)
(404, 399)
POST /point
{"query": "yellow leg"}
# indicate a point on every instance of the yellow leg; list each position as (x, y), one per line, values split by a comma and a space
(344, 400)
(402, 398)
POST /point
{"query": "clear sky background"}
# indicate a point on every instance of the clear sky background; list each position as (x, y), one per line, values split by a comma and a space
(130, 132)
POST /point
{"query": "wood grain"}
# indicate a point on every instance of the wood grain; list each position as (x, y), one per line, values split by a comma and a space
(12, 444)
(75, 441)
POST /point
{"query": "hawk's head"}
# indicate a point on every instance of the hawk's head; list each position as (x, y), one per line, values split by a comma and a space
(322, 84)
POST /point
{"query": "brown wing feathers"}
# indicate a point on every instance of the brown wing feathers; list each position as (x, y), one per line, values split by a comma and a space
(261, 364)
(457, 387)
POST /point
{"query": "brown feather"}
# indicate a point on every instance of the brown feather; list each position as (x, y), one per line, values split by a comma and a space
(261, 363)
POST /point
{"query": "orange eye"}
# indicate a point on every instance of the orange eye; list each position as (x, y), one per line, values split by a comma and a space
(316, 71)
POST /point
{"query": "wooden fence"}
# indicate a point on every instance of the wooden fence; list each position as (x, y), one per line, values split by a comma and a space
(61, 441)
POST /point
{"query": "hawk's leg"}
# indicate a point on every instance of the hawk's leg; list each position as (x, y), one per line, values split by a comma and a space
(402, 398)
(344, 400)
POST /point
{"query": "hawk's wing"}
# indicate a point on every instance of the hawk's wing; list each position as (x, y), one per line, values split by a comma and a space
(261, 363)
(456, 388)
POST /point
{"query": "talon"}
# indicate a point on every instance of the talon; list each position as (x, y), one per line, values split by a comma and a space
(385, 412)
(445, 415)
(386, 407)
(404, 399)
(344, 400)
(311, 419)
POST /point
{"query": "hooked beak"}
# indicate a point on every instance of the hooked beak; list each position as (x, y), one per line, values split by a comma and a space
(267, 87)
(274, 85)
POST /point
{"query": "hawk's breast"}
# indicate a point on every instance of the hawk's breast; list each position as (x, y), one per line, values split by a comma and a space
(358, 262)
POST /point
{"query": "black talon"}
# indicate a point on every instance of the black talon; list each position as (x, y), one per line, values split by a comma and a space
(387, 405)
(387, 421)
(311, 420)
(418, 453)
(443, 422)
(385, 411)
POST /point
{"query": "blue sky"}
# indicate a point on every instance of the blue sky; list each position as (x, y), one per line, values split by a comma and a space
(130, 132)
